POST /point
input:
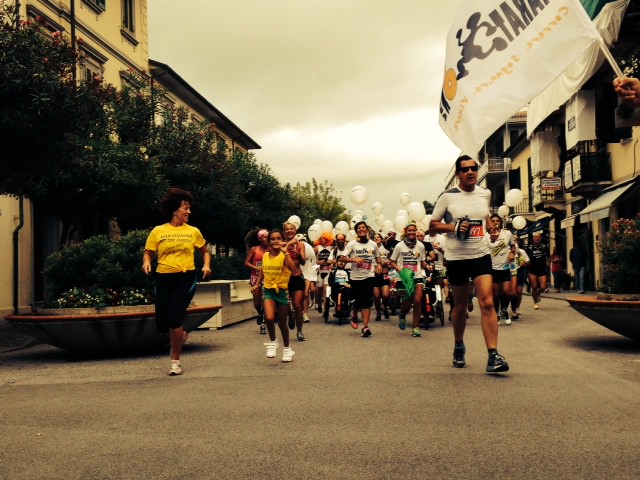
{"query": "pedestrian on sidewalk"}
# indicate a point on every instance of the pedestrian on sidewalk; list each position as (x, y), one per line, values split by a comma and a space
(557, 270)
(578, 260)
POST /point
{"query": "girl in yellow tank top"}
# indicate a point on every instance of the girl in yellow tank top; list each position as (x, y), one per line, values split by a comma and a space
(276, 270)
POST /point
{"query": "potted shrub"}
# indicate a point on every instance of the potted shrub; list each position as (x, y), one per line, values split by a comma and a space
(98, 301)
(617, 307)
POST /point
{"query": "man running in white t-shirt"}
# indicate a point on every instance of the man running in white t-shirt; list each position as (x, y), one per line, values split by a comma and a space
(463, 214)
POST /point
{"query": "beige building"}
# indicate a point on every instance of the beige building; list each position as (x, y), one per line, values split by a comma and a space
(114, 39)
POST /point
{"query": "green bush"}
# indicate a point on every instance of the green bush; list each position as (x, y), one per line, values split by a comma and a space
(621, 257)
(98, 270)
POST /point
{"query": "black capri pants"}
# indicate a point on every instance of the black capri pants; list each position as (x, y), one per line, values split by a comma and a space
(174, 292)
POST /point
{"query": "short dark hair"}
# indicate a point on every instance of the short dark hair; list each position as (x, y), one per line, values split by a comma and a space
(172, 201)
(461, 159)
(495, 215)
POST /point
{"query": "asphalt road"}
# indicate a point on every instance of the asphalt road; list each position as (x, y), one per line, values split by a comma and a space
(387, 407)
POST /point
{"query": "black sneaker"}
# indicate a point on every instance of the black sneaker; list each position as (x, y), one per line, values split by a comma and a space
(458, 356)
(301, 337)
(386, 313)
(365, 332)
(263, 329)
(292, 321)
(260, 319)
(497, 363)
(378, 318)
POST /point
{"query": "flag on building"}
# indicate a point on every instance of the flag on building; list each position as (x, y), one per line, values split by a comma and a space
(500, 55)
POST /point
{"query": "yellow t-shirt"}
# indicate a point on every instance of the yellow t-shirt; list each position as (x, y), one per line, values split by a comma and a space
(275, 272)
(174, 247)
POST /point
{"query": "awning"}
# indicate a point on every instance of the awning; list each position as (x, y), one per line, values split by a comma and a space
(541, 224)
(599, 208)
(570, 221)
(608, 23)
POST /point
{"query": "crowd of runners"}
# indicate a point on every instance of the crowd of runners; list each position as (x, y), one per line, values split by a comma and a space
(466, 253)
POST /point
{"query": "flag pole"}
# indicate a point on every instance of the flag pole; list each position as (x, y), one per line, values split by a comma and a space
(610, 59)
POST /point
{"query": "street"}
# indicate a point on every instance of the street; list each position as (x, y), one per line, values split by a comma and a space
(385, 407)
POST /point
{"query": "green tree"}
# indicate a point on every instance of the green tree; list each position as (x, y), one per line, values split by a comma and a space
(316, 200)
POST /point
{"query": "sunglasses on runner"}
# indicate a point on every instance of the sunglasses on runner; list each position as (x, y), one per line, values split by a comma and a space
(473, 168)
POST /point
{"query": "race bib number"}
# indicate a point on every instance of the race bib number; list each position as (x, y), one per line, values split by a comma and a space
(476, 230)
(364, 266)
(411, 266)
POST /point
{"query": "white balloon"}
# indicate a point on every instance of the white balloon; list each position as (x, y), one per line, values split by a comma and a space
(326, 226)
(317, 221)
(314, 232)
(358, 213)
(385, 229)
(294, 219)
(342, 227)
(513, 197)
(379, 220)
(351, 235)
(519, 222)
(427, 220)
(359, 195)
(420, 225)
(503, 210)
(416, 211)
(402, 213)
(377, 208)
(405, 198)
(400, 222)
(355, 220)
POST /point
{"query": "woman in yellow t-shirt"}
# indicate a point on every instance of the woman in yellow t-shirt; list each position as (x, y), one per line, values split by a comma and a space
(174, 243)
(277, 266)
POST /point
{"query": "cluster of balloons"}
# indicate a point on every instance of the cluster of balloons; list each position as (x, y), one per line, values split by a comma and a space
(512, 199)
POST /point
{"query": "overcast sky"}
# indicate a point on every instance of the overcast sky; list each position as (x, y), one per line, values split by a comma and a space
(340, 90)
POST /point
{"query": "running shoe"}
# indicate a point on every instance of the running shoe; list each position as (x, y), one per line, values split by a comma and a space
(287, 354)
(301, 337)
(354, 323)
(416, 332)
(272, 348)
(536, 306)
(263, 329)
(546, 290)
(514, 315)
(319, 306)
(365, 332)
(386, 313)
(470, 306)
(402, 324)
(305, 318)
(259, 319)
(378, 317)
(497, 363)
(292, 321)
(458, 356)
(176, 368)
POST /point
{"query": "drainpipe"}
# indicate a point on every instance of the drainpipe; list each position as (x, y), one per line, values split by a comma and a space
(16, 237)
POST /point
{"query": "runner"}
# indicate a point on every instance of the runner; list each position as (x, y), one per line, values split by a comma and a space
(409, 258)
(500, 245)
(277, 266)
(538, 262)
(297, 251)
(463, 214)
(310, 274)
(518, 268)
(363, 255)
(323, 249)
(437, 242)
(257, 242)
(382, 283)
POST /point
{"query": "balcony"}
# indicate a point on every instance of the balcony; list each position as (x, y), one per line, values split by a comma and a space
(587, 174)
(494, 165)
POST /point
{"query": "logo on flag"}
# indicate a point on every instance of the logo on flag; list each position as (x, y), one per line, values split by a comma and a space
(500, 55)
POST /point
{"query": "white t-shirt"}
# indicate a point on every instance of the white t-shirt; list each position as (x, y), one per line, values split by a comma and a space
(367, 251)
(410, 258)
(438, 239)
(500, 250)
(454, 204)
(310, 267)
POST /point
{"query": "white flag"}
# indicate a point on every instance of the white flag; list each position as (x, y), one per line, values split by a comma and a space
(500, 55)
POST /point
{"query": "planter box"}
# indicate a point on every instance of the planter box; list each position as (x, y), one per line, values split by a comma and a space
(234, 296)
(620, 315)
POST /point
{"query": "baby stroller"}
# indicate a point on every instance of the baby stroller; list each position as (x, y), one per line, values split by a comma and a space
(339, 293)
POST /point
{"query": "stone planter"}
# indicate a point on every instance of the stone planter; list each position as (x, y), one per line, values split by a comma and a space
(95, 333)
(619, 313)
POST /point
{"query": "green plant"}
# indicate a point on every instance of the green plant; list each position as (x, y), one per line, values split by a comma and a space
(98, 272)
(621, 257)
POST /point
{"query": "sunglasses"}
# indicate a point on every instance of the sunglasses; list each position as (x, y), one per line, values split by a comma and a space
(473, 168)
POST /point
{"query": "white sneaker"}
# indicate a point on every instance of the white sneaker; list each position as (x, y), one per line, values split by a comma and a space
(272, 348)
(305, 318)
(507, 321)
(176, 368)
(287, 354)
(536, 306)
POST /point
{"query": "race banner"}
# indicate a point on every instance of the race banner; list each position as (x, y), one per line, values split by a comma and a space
(500, 55)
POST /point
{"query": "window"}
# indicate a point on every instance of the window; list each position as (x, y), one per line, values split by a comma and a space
(97, 6)
(91, 70)
(128, 11)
